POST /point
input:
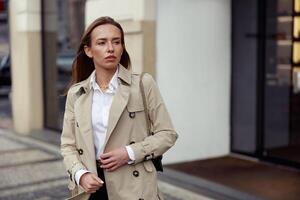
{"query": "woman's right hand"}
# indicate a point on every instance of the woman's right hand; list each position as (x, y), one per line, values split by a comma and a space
(90, 182)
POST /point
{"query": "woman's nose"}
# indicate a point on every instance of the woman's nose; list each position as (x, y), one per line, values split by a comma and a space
(110, 47)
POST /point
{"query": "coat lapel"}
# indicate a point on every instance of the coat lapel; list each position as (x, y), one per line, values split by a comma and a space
(120, 100)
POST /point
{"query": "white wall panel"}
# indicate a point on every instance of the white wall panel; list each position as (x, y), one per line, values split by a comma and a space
(193, 73)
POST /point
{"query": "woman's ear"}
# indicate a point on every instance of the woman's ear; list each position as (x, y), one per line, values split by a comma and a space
(87, 51)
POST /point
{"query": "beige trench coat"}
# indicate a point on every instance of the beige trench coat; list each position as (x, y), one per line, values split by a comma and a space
(77, 144)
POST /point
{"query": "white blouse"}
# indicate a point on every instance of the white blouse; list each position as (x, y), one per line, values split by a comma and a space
(100, 111)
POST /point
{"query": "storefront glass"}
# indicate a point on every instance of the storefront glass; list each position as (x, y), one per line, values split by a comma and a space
(282, 73)
(62, 26)
(265, 108)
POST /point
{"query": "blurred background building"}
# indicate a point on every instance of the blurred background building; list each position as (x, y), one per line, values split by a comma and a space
(229, 70)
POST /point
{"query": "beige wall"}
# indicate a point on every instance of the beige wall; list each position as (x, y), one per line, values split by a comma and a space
(137, 18)
(25, 40)
(140, 44)
(121, 9)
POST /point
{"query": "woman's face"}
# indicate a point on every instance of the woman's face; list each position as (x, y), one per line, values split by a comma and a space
(105, 48)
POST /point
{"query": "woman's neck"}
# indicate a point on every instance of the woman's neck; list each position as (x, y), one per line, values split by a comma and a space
(103, 76)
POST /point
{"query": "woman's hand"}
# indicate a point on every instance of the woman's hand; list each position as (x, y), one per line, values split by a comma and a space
(90, 182)
(114, 159)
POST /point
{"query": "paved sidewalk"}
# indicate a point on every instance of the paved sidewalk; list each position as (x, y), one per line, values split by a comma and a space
(32, 170)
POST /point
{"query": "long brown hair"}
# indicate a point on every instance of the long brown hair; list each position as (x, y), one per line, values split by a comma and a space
(83, 65)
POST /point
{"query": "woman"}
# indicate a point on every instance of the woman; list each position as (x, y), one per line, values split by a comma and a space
(105, 144)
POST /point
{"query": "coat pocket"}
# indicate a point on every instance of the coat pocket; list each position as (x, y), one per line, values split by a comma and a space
(132, 108)
(135, 102)
(136, 115)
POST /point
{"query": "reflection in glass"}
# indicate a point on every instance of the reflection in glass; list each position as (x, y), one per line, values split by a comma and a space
(282, 99)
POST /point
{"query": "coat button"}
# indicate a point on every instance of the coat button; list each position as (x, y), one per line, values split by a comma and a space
(136, 173)
(80, 151)
(132, 114)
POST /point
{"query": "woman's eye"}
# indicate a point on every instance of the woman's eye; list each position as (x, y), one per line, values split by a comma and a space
(100, 43)
(117, 42)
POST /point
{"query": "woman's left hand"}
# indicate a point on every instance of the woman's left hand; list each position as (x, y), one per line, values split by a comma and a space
(114, 159)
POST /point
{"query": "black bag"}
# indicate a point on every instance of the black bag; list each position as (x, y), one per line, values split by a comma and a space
(156, 161)
(158, 164)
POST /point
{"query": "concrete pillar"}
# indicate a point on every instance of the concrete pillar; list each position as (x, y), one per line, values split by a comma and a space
(50, 52)
(26, 57)
(137, 18)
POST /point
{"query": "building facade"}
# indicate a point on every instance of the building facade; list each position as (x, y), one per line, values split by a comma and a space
(210, 59)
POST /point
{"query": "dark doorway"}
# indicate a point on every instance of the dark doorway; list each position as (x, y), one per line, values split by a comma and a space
(266, 79)
(282, 97)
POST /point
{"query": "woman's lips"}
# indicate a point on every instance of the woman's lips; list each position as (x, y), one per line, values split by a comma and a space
(110, 57)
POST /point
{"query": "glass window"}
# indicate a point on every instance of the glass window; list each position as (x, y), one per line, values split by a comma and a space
(63, 25)
(282, 96)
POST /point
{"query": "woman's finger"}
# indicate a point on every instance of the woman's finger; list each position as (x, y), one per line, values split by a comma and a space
(97, 179)
(107, 161)
(91, 191)
(107, 166)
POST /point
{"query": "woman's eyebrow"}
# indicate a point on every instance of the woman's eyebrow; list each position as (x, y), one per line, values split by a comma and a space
(101, 39)
(115, 38)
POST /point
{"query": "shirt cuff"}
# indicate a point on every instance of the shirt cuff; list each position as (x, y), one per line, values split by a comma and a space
(130, 154)
(78, 175)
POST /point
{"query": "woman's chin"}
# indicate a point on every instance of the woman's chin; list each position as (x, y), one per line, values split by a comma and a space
(109, 66)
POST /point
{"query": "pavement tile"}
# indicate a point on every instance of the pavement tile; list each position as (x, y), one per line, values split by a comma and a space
(24, 156)
(32, 173)
(7, 144)
(57, 189)
(49, 193)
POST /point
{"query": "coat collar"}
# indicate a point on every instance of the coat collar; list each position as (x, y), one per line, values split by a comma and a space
(124, 75)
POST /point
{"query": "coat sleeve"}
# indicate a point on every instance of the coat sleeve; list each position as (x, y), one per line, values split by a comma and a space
(68, 141)
(164, 134)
